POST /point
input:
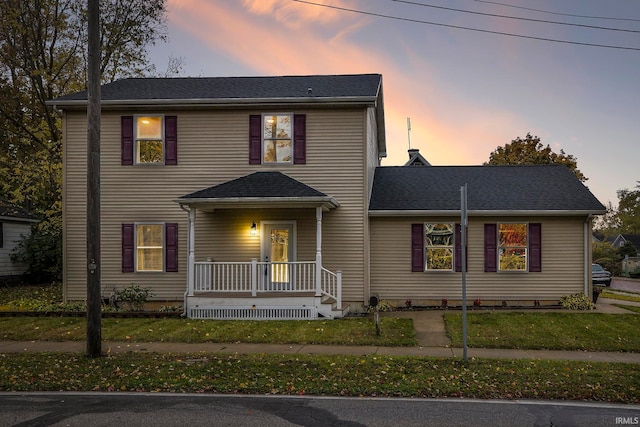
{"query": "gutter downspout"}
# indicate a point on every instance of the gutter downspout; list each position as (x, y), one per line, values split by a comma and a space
(587, 253)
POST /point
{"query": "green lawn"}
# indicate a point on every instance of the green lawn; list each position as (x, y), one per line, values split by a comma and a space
(554, 330)
(322, 375)
(372, 375)
(620, 295)
(350, 331)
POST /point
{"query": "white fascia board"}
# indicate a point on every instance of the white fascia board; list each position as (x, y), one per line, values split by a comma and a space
(327, 203)
(388, 213)
(18, 219)
(209, 102)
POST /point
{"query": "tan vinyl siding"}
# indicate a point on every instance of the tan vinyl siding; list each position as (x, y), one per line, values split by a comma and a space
(224, 235)
(74, 204)
(213, 148)
(562, 263)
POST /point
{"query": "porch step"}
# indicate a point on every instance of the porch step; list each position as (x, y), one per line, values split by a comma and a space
(253, 313)
(328, 309)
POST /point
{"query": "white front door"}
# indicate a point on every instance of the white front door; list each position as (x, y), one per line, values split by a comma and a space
(278, 249)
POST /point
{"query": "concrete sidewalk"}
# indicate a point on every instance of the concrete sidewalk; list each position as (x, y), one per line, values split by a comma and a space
(241, 348)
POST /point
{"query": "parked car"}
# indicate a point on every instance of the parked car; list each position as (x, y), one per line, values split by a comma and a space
(600, 276)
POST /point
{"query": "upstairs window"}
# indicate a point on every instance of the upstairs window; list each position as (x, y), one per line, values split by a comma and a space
(277, 138)
(149, 139)
(277, 147)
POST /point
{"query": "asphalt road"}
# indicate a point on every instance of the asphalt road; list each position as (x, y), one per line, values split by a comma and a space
(624, 284)
(141, 410)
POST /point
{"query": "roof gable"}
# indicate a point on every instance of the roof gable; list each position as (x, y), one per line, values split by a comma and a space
(416, 159)
(258, 184)
(264, 189)
(633, 238)
(490, 189)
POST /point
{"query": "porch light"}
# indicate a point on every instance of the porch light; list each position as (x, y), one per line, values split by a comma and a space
(254, 229)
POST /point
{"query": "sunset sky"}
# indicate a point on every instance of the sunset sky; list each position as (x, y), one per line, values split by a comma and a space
(467, 92)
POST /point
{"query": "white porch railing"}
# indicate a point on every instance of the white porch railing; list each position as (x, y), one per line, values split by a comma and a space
(258, 277)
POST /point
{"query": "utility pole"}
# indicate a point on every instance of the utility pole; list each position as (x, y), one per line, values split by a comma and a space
(94, 311)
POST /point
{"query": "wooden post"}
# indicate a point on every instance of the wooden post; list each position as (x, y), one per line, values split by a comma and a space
(191, 257)
(254, 277)
(94, 310)
(318, 251)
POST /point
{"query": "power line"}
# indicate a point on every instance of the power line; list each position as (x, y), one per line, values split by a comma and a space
(459, 27)
(559, 13)
(596, 27)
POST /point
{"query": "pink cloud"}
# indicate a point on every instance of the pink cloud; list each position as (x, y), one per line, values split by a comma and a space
(294, 15)
(267, 36)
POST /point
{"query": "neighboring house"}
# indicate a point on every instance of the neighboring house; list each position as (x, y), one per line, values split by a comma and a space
(15, 223)
(416, 159)
(255, 197)
(620, 240)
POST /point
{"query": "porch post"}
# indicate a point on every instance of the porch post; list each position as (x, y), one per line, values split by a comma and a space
(319, 251)
(339, 290)
(191, 248)
(254, 277)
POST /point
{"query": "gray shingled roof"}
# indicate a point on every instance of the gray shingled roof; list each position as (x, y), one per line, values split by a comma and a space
(227, 88)
(499, 189)
(633, 238)
(262, 188)
(9, 210)
(258, 184)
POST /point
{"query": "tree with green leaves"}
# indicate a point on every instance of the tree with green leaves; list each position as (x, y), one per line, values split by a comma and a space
(629, 210)
(607, 224)
(605, 254)
(43, 55)
(530, 151)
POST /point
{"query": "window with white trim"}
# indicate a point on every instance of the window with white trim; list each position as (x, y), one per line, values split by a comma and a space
(149, 247)
(149, 139)
(277, 138)
(439, 246)
(512, 246)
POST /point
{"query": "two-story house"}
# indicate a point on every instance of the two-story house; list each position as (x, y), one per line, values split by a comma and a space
(264, 197)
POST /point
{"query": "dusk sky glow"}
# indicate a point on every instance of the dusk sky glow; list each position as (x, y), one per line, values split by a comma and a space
(467, 92)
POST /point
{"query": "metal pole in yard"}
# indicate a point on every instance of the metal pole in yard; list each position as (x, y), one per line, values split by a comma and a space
(463, 237)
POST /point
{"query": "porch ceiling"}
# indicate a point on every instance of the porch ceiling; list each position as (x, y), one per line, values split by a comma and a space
(259, 190)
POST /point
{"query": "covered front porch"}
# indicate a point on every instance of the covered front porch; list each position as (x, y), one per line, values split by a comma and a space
(271, 282)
